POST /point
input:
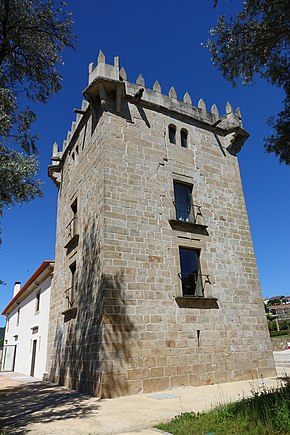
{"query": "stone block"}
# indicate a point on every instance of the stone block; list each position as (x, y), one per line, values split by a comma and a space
(156, 384)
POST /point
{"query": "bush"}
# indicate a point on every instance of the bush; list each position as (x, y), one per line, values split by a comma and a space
(284, 324)
(278, 333)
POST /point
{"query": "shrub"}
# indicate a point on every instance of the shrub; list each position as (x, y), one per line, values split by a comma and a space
(278, 333)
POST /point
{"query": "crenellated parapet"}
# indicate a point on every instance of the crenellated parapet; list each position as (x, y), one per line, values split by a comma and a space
(106, 80)
(101, 74)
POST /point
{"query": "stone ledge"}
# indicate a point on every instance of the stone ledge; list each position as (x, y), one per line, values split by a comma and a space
(72, 243)
(69, 314)
(189, 227)
(196, 302)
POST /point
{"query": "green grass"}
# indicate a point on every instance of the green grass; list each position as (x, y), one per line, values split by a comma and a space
(266, 413)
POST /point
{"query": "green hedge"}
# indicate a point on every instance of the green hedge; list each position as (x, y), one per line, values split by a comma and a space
(278, 333)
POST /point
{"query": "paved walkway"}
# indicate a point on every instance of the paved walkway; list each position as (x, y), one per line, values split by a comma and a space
(31, 406)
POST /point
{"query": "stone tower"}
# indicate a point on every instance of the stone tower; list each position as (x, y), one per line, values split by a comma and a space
(155, 282)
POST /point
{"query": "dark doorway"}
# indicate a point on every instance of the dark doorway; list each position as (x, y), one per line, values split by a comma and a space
(34, 343)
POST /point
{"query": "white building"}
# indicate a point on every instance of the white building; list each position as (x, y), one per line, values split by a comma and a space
(27, 316)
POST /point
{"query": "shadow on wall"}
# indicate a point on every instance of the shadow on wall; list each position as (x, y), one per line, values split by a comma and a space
(93, 349)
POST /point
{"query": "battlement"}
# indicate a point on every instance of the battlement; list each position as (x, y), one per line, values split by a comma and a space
(154, 96)
(106, 80)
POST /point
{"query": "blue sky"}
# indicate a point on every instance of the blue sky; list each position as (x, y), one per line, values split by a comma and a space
(161, 40)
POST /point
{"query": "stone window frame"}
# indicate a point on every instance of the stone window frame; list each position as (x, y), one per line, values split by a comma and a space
(189, 186)
(199, 270)
(72, 228)
(70, 292)
(182, 133)
(172, 130)
(73, 277)
(207, 301)
(183, 138)
(197, 226)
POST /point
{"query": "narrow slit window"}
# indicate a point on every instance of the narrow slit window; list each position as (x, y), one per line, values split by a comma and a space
(37, 302)
(183, 137)
(73, 228)
(71, 291)
(73, 269)
(18, 317)
(172, 133)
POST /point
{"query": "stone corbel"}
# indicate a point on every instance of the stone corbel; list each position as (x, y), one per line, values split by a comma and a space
(236, 139)
(54, 172)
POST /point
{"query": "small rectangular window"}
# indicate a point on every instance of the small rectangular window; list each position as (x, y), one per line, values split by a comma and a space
(190, 272)
(37, 302)
(73, 269)
(71, 291)
(183, 138)
(172, 133)
(183, 202)
(18, 317)
(74, 222)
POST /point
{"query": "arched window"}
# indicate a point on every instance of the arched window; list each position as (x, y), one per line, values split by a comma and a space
(183, 137)
(172, 133)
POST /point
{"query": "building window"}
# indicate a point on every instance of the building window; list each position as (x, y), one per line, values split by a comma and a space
(190, 275)
(183, 137)
(34, 329)
(18, 317)
(72, 226)
(71, 291)
(183, 202)
(37, 302)
(172, 133)
(7, 324)
(74, 222)
(73, 269)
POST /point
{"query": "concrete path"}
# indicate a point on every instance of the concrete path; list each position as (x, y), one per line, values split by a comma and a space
(282, 359)
(14, 379)
(34, 407)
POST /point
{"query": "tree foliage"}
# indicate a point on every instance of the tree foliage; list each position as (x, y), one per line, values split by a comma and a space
(256, 41)
(33, 34)
(275, 301)
(17, 173)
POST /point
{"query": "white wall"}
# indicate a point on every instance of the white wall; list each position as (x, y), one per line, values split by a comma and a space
(29, 319)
